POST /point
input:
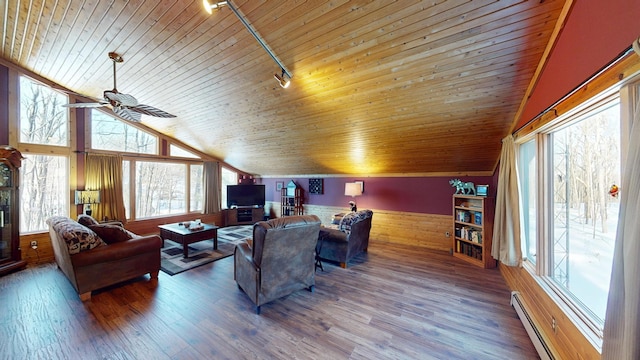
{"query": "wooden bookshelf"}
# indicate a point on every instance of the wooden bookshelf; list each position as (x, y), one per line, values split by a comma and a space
(473, 229)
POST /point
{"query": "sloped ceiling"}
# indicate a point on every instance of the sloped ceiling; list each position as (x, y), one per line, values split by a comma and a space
(379, 87)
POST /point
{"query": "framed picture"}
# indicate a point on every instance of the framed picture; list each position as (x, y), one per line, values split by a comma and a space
(482, 190)
(316, 186)
(361, 185)
(279, 185)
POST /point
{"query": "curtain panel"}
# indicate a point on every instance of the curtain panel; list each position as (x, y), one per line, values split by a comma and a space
(622, 320)
(506, 225)
(211, 187)
(104, 173)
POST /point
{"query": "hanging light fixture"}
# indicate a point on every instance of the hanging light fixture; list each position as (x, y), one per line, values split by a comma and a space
(285, 78)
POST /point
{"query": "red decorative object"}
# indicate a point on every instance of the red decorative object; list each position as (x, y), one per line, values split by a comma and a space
(614, 190)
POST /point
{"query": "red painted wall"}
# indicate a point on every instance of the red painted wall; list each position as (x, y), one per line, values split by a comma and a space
(430, 195)
(595, 33)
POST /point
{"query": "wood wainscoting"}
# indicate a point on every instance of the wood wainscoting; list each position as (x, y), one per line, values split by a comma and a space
(398, 227)
(566, 341)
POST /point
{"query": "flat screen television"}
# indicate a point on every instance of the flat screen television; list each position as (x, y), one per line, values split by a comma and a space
(245, 195)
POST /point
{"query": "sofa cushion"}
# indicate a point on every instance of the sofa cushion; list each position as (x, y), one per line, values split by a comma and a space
(111, 233)
(87, 220)
(77, 236)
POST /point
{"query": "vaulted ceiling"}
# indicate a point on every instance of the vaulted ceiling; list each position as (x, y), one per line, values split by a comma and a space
(379, 87)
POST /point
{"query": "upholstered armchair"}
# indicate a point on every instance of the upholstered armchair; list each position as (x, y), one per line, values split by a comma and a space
(352, 237)
(279, 260)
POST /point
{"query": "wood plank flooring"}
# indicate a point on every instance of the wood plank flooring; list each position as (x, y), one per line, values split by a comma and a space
(395, 302)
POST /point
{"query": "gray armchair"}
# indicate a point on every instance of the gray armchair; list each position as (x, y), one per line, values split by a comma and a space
(351, 238)
(279, 260)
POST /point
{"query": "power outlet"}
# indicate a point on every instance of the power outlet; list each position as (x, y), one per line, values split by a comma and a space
(447, 234)
(34, 245)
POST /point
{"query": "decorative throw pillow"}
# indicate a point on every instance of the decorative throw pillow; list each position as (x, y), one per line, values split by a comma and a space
(111, 233)
(77, 236)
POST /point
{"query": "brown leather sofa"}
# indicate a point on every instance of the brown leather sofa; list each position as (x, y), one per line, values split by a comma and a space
(348, 240)
(279, 260)
(99, 255)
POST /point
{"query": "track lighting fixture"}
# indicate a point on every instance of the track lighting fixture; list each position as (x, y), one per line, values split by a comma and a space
(209, 6)
(285, 78)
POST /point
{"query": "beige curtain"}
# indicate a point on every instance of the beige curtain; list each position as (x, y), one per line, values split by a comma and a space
(622, 323)
(506, 225)
(104, 173)
(211, 187)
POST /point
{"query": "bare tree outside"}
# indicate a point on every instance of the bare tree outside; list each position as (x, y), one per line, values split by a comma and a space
(160, 188)
(109, 133)
(44, 178)
(586, 163)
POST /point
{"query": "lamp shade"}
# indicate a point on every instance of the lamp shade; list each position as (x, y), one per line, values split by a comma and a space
(352, 189)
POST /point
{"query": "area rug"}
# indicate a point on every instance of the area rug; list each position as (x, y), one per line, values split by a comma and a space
(200, 253)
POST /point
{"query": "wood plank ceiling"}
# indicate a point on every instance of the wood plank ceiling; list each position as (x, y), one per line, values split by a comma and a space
(379, 87)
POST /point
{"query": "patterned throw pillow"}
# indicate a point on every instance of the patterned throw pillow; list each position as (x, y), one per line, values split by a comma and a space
(351, 218)
(111, 233)
(77, 237)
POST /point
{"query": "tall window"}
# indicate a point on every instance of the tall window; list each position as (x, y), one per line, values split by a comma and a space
(109, 133)
(586, 162)
(44, 179)
(228, 177)
(196, 195)
(527, 172)
(581, 160)
(44, 190)
(42, 118)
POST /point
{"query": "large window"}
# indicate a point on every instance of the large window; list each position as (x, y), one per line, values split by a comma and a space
(585, 163)
(43, 120)
(196, 180)
(44, 190)
(579, 159)
(228, 177)
(527, 172)
(160, 188)
(109, 133)
(44, 179)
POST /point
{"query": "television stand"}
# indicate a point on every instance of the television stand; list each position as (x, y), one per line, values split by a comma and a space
(243, 216)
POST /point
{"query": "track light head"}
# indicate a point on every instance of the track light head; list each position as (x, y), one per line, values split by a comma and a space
(209, 5)
(284, 80)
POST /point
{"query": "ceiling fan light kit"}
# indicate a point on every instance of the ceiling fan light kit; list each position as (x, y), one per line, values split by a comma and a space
(124, 105)
(285, 79)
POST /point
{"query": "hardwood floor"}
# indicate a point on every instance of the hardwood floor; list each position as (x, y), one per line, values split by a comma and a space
(395, 302)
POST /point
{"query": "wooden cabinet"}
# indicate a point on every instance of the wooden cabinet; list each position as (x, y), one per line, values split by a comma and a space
(291, 200)
(10, 253)
(243, 216)
(473, 229)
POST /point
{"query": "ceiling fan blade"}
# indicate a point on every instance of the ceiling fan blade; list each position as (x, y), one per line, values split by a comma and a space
(85, 105)
(126, 114)
(122, 99)
(151, 111)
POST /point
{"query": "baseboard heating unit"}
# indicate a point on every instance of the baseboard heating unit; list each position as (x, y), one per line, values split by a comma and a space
(543, 350)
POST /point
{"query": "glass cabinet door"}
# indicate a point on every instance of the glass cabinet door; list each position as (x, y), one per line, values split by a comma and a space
(5, 226)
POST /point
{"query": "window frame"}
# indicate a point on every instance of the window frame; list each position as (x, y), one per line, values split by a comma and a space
(541, 270)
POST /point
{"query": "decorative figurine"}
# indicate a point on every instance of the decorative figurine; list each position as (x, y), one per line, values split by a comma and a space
(465, 188)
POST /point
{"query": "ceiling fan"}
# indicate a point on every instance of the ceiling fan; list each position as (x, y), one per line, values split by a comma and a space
(123, 105)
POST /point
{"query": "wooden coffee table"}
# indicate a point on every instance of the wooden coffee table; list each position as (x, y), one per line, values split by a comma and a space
(180, 234)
